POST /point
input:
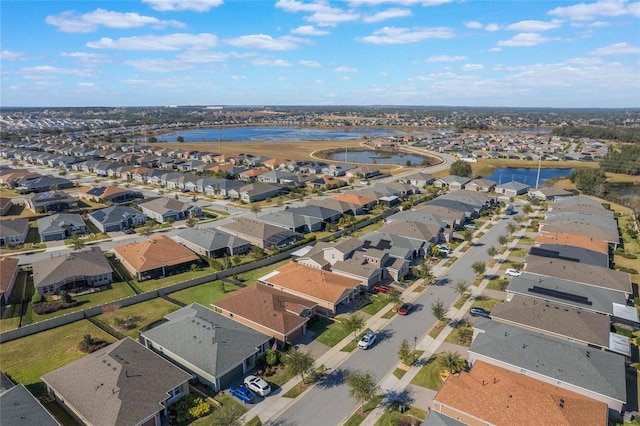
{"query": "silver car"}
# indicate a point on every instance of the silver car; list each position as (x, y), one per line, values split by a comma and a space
(257, 385)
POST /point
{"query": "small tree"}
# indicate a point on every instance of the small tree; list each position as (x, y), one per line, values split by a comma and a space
(423, 271)
(298, 363)
(479, 268)
(271, 357)
(147, 230)
(405, 353)
(439, 310)
(462, 287)
(467, 235)
(36, 298)
(191, 221)
(76, 242)
(255, 209)
(527, 209)
(492, 251)
(353, 324)
(512, 228)
(503, 239)
(394, 297)
(64, 296)
(87, 340)
(362, 386)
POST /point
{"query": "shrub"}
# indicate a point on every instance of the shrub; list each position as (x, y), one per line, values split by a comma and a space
(45, 307)
(627, 270)
(36, 298)
(627, 255)
(190, 408)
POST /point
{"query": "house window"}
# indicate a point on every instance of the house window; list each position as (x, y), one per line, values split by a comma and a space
(175, 392)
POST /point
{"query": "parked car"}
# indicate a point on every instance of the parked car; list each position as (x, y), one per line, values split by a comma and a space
(470, 226)
(380, 288)
(367, 340)
(479, 312)
(513, 272)
(243, 394)
(405, 309)
(443, 248)
(257, 385)
(129, 231)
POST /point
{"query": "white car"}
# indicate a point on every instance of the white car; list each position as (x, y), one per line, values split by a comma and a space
(513, 272)
(257, 385)
(443, 248)
(367, 340)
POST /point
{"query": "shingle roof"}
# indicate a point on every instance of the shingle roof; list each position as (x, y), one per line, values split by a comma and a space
(212, 239)
(155, 253)
(13, 227)
(122, 384)
(503, 397)
(574, 240)
(562, 320)
(85, 263)
(587, 368)
(19, 407)
(59, 222)
(260, 230)
(163, 205)
(271, 308)
(8, 266)
(206, 339)
(316, 283)
(413, 230)
(115, 214)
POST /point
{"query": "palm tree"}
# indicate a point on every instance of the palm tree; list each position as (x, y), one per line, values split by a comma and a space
(439, 310)
(452, 362)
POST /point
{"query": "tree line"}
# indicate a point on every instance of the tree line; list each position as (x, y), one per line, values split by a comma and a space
(623, 134)
(626, 160)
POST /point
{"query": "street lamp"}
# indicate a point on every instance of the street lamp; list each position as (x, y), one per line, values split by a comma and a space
(415, 344)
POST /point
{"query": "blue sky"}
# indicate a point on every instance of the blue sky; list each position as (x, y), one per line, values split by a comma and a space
(304, 52)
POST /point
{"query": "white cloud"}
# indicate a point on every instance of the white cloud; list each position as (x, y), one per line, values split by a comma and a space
(238, 77)
(393, 35)
(387, 14)
(472, 67)
(616, 50)
(345, 69)
(446, 58)
(524, 40)
(309, 30)
(271, 62)
(86, 58)
(332, 17)
(199, 57)
(158, 65)
(298, 6)
(532, 26)
(263, 41)
(89, 22)
(175, 5)
(44, 70)
(8, 55)
(601, 8)
(492, 27)
(474, 25)
(311, 64)
(167, 42)
(86, 85)
(495, 49)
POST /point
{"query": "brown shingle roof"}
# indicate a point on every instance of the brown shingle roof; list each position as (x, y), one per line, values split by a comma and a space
(8, 266)
(354, 199)
(155, 253)
(316, 283)
(503, 397)
(573, 240)
(271, 308)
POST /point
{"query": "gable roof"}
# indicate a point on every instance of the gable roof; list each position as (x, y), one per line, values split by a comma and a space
(413, 230)
(574, 240)
(315, 211)
(317, 283)
(13, 227)
(354, 198)
(115, 214)
(19, 407)
(270, 234)
(55, 269)
(59, 222)
(163, 205)
(212, 239)
(503, 397)
(8, 266)
(271, 308)
(205, 339)
(588, 368)
(155, 253)
(121, 384)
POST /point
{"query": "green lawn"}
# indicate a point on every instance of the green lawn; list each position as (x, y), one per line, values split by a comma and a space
(150, 285)
(399, 372)
(252, 276)
(456, 336)
(378, 302)
(393, 417)
(359, 416)
(518, 252)
(28, 358)
(329, 332)
(435, 331)
(461, 300)
(142, 314)
(204, 294)
(450, 261)
(526, 241)
(369, 228)
(225, 400)
(429, 375)
(295, 391)
(485, 303)
(497, 283)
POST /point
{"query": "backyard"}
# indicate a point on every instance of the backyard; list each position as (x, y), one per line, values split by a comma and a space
(204, 294)
(129, 320)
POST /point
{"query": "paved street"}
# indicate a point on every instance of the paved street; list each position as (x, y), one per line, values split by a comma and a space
(313, 407)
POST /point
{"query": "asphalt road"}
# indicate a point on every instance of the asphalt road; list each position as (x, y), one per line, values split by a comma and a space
(328, 403)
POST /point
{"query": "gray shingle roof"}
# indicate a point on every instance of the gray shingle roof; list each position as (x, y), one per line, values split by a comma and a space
(59, 222)
(13, 227)
(19, 407)
(115, 214)
(206, 339)
(212, 239)
(588, 368)
(86, 263)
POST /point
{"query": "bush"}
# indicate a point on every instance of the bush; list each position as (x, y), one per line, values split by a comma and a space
(45, 307)
(190, 408)
(627, 255)
(36, 298)
(627, 270)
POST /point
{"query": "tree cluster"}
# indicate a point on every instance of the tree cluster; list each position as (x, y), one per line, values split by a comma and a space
(623, 134)
(626, 160)
(460, 168)
(590, 181)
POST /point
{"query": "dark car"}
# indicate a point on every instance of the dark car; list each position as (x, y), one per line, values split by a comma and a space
(405, 309)
(479, 312)
(382, 288)
(243, 394)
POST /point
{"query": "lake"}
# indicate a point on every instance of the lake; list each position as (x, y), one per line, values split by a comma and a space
(274, 134)
(374, 157)
(527, 176)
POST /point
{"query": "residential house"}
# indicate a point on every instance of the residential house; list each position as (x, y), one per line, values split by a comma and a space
(330, 291)
(19, 407)
(596, 374)
(71, 271)
(292, 221)
(549, 194)
(512, 189)
(272, 312)
(317, 212)
(324, 253)
(60, 226)
(51, 201)
(492, 395)
(481, 185)
(214, 348)
(9, 270)
(43, 184)
(419, 179)
(363, 202)
(450, 216)
(211, 242)
(117, 218)
(123, 384)
(221, 187)
(13, 232)
(164, 209)
(255, 192)
(157, 257)
(261, 234)
(11, 177)
(5, 205)
(338, 205)
(110, 194)
(251, 174)
(452, 182)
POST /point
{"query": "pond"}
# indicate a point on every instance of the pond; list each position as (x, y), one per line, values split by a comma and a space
(377, 157)
(274, 134)
(527, 176)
